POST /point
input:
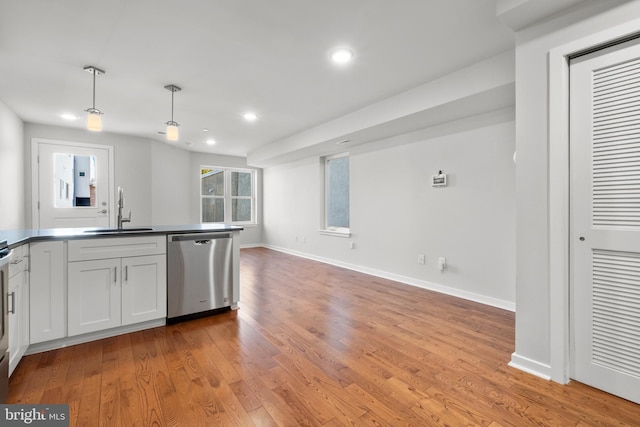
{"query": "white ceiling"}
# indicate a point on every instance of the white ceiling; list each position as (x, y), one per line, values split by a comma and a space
(230, 56)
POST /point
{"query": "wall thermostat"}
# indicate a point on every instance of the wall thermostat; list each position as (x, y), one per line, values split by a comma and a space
(439, 180)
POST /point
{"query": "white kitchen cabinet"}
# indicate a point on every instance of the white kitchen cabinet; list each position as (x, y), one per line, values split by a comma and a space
(94, 295)
(107, 292)
(18, 305)
(144, 288)
(47, 292)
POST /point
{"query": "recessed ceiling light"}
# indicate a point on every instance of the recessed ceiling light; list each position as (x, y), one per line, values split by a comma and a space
(205, 130)
(250, 117)
(341, 55)
(68, 116)
(211, 141)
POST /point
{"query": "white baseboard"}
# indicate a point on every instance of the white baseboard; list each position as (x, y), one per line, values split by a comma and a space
(530, 366)
(252, 245)
(471, 296)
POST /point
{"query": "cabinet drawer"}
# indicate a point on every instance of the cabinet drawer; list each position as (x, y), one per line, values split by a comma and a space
(18, 260)
(89, 249)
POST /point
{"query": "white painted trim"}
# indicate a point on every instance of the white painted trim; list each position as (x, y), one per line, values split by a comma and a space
(35, 175)
(559, 193)
(559, 227)
(335, 233)
(471, 296)
(531, 366)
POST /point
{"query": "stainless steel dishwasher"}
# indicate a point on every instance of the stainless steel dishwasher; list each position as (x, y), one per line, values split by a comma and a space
(199, 274)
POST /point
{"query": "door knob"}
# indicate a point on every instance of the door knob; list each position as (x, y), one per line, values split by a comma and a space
(103, 211)
(581, 239)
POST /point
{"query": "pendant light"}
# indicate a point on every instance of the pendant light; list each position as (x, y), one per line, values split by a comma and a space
(172, 126)
(94, 121)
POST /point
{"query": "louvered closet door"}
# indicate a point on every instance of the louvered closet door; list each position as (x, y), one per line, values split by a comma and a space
(605, 220)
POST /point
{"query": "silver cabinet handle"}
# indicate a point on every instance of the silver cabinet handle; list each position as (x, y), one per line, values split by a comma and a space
(115, 274)
(13, 302)
(126, 273)
(17, 261)
(103, 211)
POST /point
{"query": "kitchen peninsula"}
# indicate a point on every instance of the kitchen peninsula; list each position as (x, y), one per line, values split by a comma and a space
(74, 285)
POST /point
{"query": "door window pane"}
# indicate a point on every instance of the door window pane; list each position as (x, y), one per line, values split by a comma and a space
(76, 178)
(212, 182)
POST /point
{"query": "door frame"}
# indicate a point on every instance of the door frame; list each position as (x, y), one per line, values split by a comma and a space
(560, 192)
(35, 177)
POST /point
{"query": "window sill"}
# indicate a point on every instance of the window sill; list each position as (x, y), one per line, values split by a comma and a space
(335, 233)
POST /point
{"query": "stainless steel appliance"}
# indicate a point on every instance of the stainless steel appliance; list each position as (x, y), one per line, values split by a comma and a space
(199, 274)
(4, 321)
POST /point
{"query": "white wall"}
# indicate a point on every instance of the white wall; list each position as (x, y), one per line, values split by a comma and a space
(396, 214)
(537, 347)
(12, 213)
(170, 199)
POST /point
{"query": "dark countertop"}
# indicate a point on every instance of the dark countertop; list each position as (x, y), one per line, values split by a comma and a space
(20, 237)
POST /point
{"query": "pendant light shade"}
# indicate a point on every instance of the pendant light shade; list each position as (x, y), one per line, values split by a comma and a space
(172, 131)
(94, 121)
(172, 126)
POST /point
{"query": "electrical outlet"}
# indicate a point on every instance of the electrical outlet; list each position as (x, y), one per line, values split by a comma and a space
(352, 245)
(303, 239)
(421, 259)
(442, 263)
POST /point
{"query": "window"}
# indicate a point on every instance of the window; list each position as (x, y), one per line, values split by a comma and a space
(227, 195)
(336, 194)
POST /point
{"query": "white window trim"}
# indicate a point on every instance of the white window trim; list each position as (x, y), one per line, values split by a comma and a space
(335, 232)
(324, 229)
(227, 197)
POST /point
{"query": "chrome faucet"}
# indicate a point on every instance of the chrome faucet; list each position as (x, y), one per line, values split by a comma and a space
(121, 219)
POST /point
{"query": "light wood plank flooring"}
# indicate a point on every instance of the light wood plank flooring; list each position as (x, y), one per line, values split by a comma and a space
(314, 345)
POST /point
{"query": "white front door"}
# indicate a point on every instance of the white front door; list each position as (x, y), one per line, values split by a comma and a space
(605, 219)
(72, 185)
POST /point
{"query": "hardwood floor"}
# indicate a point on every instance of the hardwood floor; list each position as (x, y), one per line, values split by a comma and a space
(314, 345)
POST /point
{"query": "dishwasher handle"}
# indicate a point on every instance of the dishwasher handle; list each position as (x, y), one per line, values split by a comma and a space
(198, 238)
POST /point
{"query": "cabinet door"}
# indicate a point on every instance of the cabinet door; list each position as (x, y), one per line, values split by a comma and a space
(94, 295)
(47, 292)
(144, 288)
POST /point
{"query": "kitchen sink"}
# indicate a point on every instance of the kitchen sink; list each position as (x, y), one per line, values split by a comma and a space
(118, 230)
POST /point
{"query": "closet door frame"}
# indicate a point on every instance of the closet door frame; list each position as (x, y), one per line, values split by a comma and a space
(559, 193)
